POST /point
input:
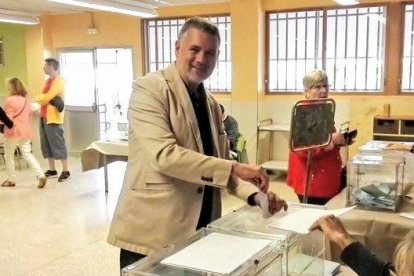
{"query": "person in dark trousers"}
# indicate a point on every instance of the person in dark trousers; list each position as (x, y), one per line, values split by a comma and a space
(52, 140)
(359, 258)
(178, 154)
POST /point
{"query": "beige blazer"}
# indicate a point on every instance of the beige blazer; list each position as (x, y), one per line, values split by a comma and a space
(162, 192)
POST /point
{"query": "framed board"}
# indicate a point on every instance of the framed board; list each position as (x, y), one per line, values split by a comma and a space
(312, 124)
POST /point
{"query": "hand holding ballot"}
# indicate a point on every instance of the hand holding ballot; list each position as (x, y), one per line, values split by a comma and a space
(251, 174)
(270, 203)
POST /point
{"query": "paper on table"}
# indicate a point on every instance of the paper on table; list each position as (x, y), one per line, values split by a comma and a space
(373, 157)
(331, 268)
(368, 159)
(409, 215)
(301, 220)
(218, 253)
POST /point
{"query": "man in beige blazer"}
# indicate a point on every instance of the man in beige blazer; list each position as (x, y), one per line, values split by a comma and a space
(177, 153)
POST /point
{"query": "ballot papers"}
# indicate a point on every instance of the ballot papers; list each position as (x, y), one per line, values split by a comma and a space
(368, 159)
(300, 220)
(217, 253)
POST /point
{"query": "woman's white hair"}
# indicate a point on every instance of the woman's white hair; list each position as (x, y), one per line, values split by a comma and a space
(315, 77)
(404, 256)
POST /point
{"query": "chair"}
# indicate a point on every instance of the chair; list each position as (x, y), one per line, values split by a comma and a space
(2, 152)
(242, 150)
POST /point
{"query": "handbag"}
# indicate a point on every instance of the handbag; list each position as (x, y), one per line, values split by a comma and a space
(14, 117)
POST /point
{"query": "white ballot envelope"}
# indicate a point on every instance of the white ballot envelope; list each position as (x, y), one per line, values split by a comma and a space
(300, 220)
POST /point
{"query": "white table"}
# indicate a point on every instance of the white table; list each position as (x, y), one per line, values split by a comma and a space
(101, 153)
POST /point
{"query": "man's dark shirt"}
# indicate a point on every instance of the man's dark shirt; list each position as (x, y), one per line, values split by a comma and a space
(199, 101)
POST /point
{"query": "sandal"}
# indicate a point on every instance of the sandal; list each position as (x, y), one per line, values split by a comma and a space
(8, 184)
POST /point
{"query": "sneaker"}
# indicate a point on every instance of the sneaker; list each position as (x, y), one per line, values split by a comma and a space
(65, 175)
(42, 182)
(51, 174)
(8, 184)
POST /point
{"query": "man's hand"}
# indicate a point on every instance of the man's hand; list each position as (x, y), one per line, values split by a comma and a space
(334, 230)
(252, 174)
(270, 203)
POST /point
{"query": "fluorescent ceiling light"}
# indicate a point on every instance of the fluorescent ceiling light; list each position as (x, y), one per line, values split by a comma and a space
(347, 2)
(121, 6)
(163, 2)
(8, 16)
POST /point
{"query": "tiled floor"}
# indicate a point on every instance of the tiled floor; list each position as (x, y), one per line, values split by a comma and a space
(62, 229)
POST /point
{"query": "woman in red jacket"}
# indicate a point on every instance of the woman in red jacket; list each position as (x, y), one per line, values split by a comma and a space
(325, 174)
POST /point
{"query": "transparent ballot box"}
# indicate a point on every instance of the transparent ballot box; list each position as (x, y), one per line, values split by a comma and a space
(203, 253)
(376, 181)
(303, 254)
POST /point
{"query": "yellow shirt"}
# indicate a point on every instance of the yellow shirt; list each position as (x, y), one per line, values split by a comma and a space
(53, 116)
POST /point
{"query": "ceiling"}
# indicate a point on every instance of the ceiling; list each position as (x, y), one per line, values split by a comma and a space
(40, 7)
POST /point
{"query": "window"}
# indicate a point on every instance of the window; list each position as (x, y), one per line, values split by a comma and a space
(161, 35)
(408, 51)
(295, 48)
(347, 43)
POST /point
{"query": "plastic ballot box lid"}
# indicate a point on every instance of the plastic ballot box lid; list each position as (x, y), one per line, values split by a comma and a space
(214, 252)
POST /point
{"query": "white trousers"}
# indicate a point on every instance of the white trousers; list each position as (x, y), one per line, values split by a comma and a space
(10, 145)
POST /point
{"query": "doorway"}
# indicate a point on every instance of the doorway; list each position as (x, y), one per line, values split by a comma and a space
(98, 87)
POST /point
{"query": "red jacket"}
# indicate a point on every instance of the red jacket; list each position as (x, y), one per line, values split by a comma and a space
(325, 172)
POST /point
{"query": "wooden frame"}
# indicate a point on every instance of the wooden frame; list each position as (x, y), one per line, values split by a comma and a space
(324, 10)
(402, 24)
(145, 51)
(1, 52)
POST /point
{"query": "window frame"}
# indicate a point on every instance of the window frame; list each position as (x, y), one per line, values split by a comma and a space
(145, 52)
(406, 92)
(324, 10)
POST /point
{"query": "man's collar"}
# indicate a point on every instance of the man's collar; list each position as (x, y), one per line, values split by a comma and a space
(199, 93)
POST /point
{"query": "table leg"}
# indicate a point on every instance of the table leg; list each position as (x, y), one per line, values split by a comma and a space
(105, 173)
